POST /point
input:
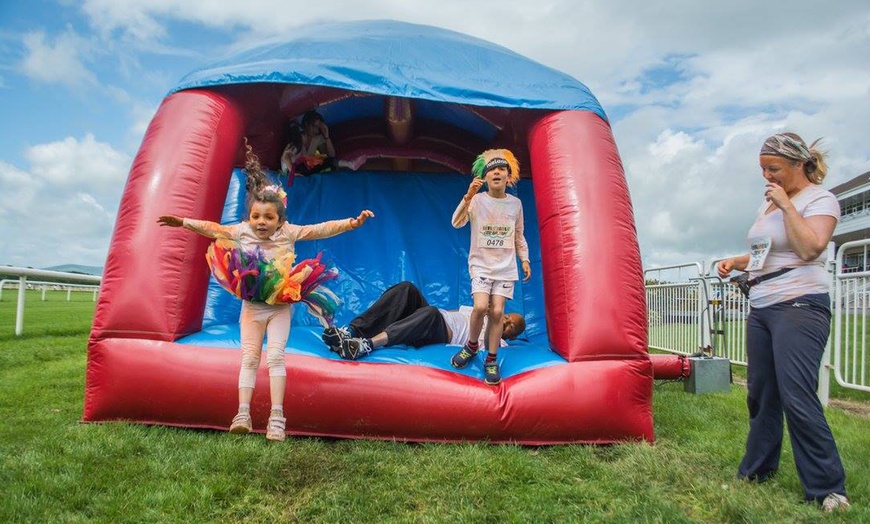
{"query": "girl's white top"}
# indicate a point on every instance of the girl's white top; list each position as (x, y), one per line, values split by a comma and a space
(284, 237)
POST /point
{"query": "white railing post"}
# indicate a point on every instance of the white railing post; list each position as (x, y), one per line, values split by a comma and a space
(704, 306)
(824, 389)
(19, 310)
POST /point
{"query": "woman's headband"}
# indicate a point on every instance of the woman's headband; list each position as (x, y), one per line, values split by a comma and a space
(785, 146)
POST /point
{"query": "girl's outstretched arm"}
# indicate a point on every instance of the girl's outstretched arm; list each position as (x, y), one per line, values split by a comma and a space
(202, 227)
(331, 227)
(170, 220)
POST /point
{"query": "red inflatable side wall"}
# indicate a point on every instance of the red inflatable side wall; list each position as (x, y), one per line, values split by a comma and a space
(183, 168)
(594, 288)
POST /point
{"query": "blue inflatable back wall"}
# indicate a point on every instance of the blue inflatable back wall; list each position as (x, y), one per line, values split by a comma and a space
(433, 255)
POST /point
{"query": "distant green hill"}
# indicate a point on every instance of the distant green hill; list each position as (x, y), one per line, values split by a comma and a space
(75, 268)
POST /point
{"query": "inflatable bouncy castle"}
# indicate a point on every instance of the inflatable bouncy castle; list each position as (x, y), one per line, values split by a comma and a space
(419, 103)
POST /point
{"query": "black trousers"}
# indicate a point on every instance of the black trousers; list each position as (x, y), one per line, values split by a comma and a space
(406, 317)
(784, 345)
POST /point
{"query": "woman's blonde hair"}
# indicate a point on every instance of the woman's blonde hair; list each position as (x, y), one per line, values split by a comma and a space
(793, 147)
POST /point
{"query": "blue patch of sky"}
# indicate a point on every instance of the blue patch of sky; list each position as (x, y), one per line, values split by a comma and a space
(46, 112)
(189, 47)
(37, 111)
(23, 16)
(670, 71)
(730, 113)
(617, 112)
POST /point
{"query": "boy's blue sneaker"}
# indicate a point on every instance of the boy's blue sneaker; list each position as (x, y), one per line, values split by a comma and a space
(334, 336)
(461, 359)
(491, 374)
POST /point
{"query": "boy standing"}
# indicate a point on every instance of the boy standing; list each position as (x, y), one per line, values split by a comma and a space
(496, 240)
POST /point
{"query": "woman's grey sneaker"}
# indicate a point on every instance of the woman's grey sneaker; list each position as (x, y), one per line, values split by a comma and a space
(835, 502)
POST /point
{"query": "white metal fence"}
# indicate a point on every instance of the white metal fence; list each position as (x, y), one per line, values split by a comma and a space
(676, 298)
(851, 311)
(62, 279)
(690, 310)
(45, 287)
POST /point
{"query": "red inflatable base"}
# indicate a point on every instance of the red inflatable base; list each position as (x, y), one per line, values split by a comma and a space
(154, 382)
(670, 367)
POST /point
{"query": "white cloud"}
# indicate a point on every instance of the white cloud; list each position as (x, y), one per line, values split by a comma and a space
(142, 116)
(133, 18)
(58, 61)
(689, 144)
(80, 164)
(17, 190)
(62, 208)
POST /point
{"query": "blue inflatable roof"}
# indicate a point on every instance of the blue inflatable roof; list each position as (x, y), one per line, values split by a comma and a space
(400, 59)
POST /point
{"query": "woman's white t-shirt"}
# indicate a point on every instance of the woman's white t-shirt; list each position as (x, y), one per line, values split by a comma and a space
(808, 277)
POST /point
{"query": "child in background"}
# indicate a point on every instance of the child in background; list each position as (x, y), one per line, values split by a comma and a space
(496, 241)
(266, 234)
(310, 149)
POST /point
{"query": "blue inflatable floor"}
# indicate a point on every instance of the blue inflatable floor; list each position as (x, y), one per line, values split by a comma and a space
(410, 238)
(520, 356)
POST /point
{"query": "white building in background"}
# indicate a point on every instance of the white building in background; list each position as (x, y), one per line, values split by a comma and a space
(854, 198)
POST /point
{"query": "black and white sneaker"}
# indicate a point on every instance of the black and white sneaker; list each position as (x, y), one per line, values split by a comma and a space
(333, 337)
(354, 348)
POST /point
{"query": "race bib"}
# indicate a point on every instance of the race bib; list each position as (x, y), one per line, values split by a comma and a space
(499, 236)
(759, 247)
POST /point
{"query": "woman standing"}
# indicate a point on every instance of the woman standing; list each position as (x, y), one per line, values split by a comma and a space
(790, 320)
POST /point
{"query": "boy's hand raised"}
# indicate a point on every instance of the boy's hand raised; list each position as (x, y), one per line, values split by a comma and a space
(473, 188)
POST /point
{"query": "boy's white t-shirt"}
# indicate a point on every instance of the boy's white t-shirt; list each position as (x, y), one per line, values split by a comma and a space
(808, 277)
(497, 237)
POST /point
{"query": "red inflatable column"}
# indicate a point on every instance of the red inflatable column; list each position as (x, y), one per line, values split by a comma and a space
(593, 289)
(155, 278)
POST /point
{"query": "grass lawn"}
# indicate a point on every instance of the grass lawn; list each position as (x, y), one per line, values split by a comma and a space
(55, 469)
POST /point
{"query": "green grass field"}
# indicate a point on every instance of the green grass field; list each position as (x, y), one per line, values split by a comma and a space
(56, 469)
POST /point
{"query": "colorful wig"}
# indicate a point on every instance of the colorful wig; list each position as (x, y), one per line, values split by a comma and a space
(492, 158)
